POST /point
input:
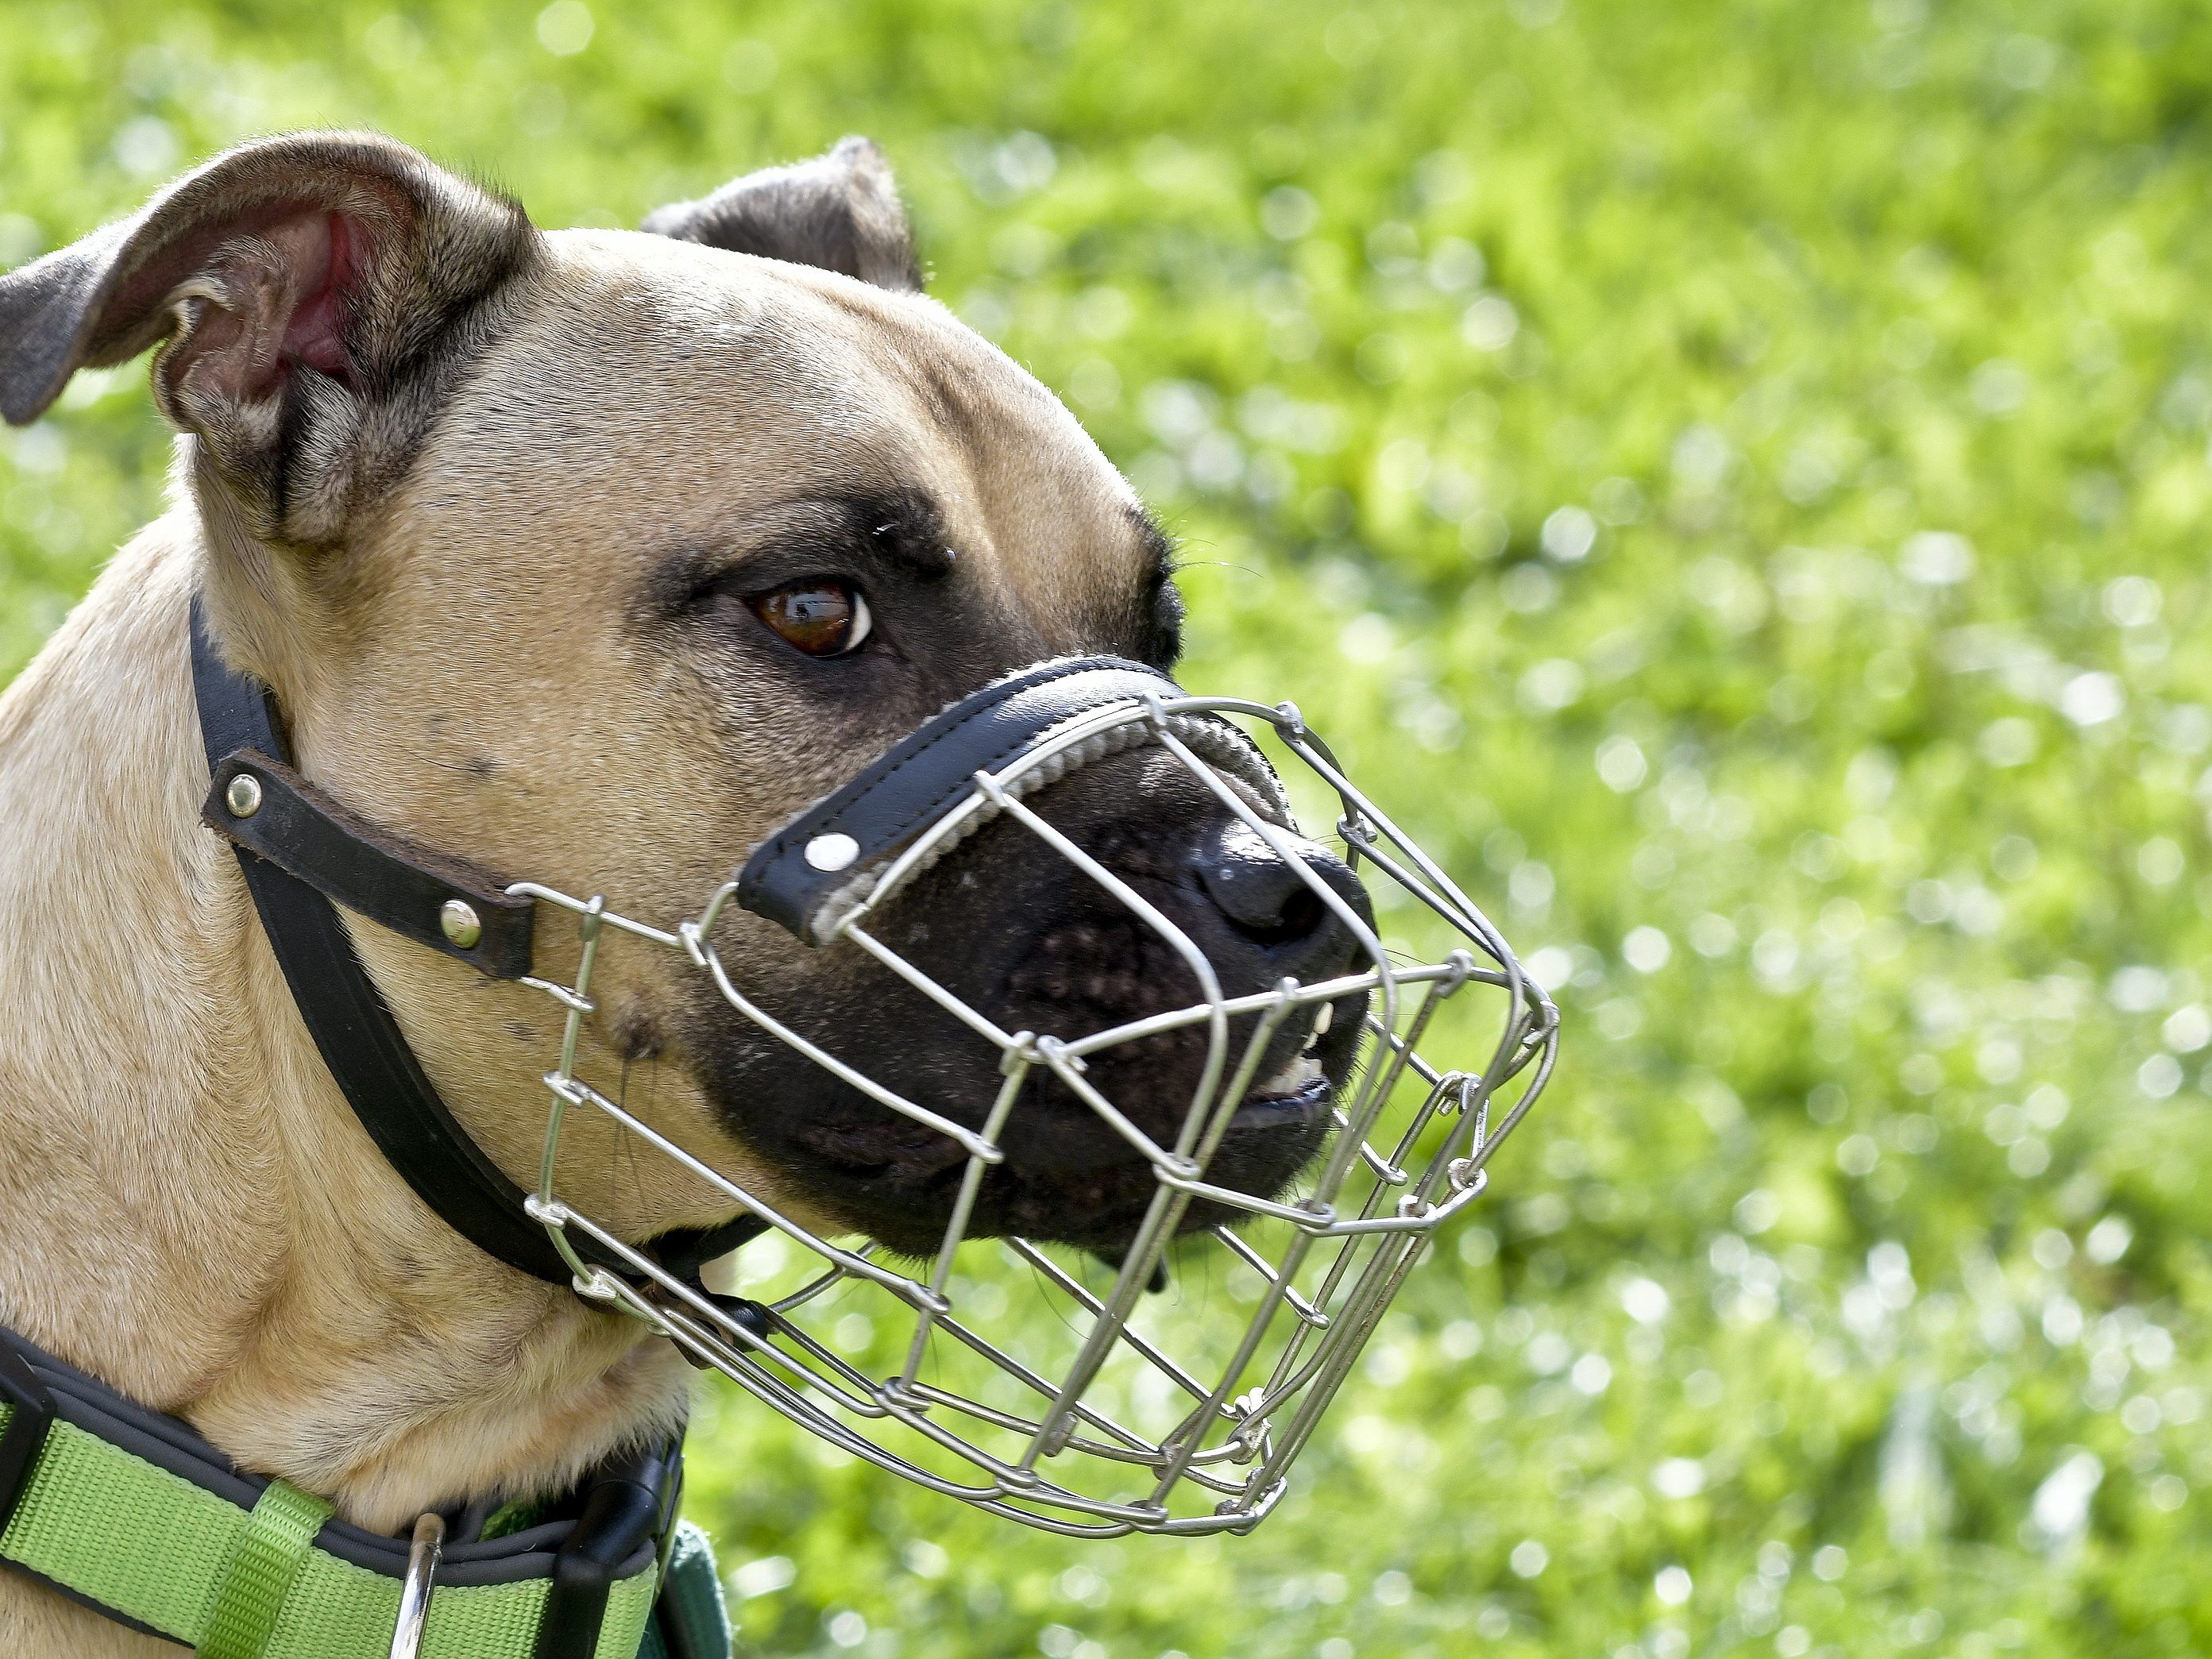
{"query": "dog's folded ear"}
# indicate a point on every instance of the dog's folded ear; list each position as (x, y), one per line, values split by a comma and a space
(840, 211)
(309, 288)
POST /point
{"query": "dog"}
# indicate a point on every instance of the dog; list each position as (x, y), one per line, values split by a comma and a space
(591, 556)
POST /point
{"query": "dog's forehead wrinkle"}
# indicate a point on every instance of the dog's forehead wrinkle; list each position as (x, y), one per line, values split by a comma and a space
(1024, 488)
(900, 523)
(684, 354)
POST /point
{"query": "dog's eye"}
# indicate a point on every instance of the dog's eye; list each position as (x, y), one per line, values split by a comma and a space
(821, 618)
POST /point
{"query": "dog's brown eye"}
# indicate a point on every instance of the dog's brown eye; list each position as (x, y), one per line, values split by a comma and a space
(821, 618)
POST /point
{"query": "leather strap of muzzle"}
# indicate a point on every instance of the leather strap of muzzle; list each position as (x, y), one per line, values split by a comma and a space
(301, 852)
(792, 874)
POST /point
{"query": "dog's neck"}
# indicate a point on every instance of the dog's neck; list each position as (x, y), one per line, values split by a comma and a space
(187, 1206)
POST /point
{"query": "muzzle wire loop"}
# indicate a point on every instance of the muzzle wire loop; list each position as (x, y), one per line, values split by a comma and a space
(837, 1068)
(1167, 1212)
(1165, 1209)
(1103, 1412)
(929, 987)
(853, 1263)
(1015, 1065)
(1217, 1019)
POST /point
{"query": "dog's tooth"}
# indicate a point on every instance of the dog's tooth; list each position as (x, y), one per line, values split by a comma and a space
(1297, 1072)
(1321, 1018)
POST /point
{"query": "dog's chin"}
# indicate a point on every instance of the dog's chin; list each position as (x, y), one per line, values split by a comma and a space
(896, 1182)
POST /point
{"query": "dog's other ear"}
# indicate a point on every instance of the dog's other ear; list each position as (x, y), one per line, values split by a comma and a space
(840, 211)
(310, 288)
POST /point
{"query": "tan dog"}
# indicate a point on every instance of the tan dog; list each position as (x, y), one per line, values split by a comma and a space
(592, 556)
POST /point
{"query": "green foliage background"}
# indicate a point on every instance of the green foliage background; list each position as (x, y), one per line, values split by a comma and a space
(1734, 475)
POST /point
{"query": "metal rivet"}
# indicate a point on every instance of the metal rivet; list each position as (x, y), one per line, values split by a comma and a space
(458, 922)
(833, 852)
(243, 797)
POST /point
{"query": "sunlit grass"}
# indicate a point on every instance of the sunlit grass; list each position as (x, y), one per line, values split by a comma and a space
(1731, 478)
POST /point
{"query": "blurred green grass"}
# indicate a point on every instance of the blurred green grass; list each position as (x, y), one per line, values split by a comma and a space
(1733, 477)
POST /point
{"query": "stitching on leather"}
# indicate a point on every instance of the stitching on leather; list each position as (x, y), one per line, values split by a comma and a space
(1014, 684)
(935, 807)
(1201, 732)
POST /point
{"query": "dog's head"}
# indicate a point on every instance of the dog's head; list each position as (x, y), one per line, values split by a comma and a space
(592, 558)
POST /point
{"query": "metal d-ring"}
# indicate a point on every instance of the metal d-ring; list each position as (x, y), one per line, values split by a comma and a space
(415, 1594)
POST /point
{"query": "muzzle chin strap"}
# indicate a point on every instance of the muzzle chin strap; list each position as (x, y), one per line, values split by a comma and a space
(300, 851)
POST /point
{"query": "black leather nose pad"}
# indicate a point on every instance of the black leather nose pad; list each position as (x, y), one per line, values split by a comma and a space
(1263, 896)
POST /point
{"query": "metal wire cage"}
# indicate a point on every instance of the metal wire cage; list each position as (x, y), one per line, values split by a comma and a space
(1033, 1382)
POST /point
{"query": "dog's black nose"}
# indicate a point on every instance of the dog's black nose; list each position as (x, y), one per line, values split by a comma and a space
(1267, 900)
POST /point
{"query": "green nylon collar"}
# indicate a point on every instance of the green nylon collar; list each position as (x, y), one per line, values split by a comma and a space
(134, 1516)
(129, 1538)
(278, 1536)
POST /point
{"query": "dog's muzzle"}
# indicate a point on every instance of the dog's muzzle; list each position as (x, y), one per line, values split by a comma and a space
(1326, 1119)
(1028, 1380)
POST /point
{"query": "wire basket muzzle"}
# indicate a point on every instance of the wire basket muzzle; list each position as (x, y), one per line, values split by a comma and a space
(1171, 1391)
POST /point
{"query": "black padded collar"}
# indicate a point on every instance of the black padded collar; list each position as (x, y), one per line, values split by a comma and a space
(608, 1528)
(170, 1443)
